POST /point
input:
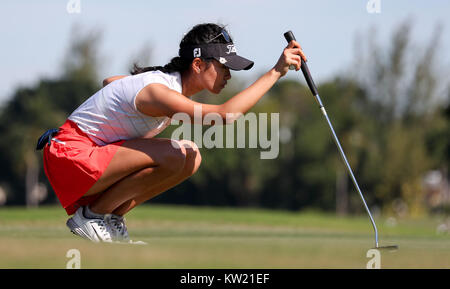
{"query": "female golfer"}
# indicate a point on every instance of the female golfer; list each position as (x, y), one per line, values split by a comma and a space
(104, 160)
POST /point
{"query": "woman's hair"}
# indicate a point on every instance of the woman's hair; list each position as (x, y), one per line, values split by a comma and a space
(199, 34)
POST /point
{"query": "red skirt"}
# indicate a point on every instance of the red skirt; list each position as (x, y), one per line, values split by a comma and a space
(73, 163)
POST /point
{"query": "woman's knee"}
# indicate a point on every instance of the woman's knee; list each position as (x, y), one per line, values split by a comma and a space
(193, 156)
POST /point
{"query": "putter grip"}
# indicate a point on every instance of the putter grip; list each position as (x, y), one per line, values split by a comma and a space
(289, 37)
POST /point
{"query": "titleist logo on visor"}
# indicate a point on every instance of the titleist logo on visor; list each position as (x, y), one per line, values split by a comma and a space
(231, 48)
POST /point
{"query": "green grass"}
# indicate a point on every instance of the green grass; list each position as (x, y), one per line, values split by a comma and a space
(191, 237)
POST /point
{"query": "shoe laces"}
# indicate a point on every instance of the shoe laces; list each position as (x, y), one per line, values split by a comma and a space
(117, 225)
(103, 230)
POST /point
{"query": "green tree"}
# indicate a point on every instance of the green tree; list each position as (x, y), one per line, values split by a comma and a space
(404, 89)
(32, 110)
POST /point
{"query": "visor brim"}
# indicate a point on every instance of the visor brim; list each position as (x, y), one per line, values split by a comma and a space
(236, 62)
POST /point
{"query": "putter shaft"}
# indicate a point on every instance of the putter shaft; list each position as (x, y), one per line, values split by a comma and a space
(289, 36)
(349, 169)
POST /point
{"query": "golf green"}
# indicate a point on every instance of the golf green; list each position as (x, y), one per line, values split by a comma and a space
(197, 237)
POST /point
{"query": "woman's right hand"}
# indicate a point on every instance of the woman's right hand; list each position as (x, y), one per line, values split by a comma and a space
(291, 55)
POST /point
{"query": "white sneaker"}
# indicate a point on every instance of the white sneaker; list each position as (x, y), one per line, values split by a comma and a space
(95, 230)
(119, 229)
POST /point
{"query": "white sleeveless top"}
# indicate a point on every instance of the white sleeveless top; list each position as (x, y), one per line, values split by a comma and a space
(111, 115)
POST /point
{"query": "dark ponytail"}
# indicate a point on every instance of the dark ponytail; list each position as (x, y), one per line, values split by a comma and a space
(176, 64)
(199, 34)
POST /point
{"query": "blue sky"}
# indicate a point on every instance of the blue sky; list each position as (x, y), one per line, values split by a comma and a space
(35, 34)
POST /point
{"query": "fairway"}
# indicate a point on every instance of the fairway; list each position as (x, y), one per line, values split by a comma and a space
(191, 237)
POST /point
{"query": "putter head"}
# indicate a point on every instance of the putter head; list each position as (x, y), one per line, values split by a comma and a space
(387, 248)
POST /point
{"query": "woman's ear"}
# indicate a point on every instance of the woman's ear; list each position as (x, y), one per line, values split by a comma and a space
(197, 65)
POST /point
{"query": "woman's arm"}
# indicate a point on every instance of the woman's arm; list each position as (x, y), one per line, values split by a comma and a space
(159, 100)
(108, 80)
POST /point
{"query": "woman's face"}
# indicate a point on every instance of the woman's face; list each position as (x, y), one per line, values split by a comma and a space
(215, 76)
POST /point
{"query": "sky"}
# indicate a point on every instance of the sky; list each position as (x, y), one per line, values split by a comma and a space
(35, 35)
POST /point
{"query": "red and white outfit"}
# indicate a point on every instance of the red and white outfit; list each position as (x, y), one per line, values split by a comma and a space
(87, 141)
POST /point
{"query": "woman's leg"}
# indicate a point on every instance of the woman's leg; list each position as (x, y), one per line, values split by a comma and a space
(192, 163)
(139, 167)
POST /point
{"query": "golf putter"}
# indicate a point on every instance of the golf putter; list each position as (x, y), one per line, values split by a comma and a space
(289, 37)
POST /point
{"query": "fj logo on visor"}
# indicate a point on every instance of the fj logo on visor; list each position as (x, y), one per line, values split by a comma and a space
(197, 52)
(231, 49)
